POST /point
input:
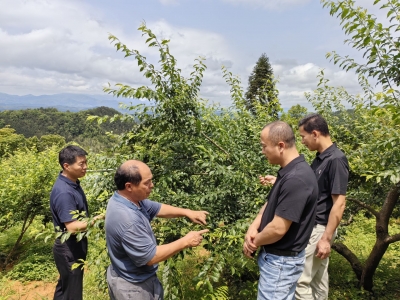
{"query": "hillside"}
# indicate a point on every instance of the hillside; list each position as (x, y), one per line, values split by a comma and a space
(73, 126)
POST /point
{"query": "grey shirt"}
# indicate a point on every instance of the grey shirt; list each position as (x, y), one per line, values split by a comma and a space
(130, 239)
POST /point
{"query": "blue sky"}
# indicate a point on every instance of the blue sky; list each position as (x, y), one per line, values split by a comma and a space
(52, 46)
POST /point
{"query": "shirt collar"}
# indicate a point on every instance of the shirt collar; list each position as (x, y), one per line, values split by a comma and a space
(328, 151)
(290, 165)
(69, 181)
(124, 201)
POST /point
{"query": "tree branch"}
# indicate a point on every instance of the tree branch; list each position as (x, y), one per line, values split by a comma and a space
(350, 257)
(366, 206)
(219, 147)
(393, 238)
(390, 202)
(348, 222)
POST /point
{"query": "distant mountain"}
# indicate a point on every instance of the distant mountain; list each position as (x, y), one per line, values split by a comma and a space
(63, 102)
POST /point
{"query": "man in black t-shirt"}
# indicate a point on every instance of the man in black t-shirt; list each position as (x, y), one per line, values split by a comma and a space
(284, 224)
(332, 172)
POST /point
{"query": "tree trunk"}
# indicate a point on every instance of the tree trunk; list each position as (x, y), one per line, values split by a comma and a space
(371, 264)
(27, 222)
(382, 235)
(365, 273)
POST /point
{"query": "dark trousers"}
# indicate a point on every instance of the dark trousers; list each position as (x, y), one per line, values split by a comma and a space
(70, 283)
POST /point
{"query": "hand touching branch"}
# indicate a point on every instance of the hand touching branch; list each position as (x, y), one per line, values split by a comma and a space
(267, 180)
(198, 216)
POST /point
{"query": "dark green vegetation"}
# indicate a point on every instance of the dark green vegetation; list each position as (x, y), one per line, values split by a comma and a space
(48, 124)
(208, 160)
(261, 91)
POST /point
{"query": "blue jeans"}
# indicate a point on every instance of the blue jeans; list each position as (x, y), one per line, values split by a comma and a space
(279, 275)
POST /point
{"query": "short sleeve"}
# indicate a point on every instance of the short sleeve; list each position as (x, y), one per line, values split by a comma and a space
(138, 244)
(152, 208)
(293, 198)
(64, 204)
(339, 176)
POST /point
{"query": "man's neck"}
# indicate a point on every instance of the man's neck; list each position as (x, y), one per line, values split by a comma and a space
(65, 174)
(127, 197)
(290, 155)
(325, 143)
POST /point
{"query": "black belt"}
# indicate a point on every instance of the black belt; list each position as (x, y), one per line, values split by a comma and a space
(281, 252)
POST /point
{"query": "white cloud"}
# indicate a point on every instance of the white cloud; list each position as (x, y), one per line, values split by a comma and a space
(296, 80)
(56, 46)
(53, 46)
(269, 4)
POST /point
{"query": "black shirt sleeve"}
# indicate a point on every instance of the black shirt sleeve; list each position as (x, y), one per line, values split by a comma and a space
(339, 176)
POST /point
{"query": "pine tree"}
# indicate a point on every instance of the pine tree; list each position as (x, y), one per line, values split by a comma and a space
(262, 87)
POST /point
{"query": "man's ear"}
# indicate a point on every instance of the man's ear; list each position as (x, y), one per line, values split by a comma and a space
(65, 166)
(128, 186)
(315, 133)
(281, 146)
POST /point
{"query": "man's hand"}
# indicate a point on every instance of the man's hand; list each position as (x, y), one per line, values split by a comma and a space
(194, 238)
(323, 249)
(198, 216)
(267, 180)
(248, 246)
(98, 217)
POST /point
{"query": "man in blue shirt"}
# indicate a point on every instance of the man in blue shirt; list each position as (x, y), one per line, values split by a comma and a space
(66, 196)
(131, 243)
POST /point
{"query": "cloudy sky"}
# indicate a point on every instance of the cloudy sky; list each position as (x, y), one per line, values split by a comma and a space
(54, 46)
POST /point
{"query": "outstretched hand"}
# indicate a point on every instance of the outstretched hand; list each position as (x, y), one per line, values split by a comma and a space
(194, 238)
(198, 216)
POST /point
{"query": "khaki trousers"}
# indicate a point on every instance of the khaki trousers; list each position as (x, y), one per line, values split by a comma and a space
(314, 282)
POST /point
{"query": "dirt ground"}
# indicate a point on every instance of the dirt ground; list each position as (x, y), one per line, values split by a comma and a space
(33, 290)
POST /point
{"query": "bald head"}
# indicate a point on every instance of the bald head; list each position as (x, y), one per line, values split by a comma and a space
(130, 171)
(280, 131)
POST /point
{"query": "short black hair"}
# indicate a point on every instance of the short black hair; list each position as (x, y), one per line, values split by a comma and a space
(280, 131)
(127, 174)
(69, 154)
(314, 122)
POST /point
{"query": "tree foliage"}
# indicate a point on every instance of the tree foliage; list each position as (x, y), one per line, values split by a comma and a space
(10, 141)
(71, 126)
(261, 92)
(26, 179)
(202, 157)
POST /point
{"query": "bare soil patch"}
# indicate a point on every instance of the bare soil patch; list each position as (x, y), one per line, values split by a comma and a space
(32, 290)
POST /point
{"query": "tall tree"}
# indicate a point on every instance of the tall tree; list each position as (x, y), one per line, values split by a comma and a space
(261, 91)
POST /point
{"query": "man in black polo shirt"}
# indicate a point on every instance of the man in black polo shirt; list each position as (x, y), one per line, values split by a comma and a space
(66, 196)
(284, 224)
(332, 171)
